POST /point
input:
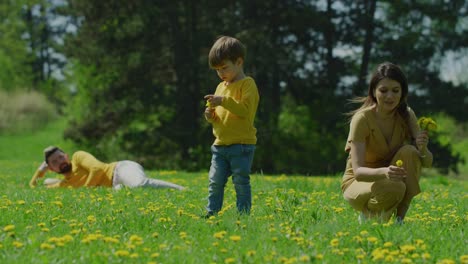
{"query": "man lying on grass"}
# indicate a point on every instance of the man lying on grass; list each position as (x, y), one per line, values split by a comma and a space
(84, 170)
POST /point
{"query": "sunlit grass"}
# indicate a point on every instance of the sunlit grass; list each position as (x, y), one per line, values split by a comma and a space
(294, 220)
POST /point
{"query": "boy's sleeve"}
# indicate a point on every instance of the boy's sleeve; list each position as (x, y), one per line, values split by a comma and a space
(249, 100)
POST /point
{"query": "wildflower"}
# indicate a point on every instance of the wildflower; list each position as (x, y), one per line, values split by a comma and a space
(17, 244)
(388, 244)
(136, 239)
(251, 253)
(235, 238)
(427, 123)
(372, 239)
(155, 255)
(46, 246)
(399, 163)
(220, 234)
(304, 258)
(446, 261)
(9, 228)
(334, 242)
(122, 253)
(230, 260)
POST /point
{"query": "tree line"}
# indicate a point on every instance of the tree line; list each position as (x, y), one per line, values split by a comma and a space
(135, 72)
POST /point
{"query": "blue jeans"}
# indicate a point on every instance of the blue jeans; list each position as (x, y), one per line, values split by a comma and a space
(235, 160)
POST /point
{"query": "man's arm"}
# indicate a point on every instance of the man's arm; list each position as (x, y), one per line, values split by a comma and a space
(91, 164)
(40, 172)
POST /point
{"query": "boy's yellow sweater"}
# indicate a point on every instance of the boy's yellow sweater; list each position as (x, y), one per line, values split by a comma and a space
(233, 121)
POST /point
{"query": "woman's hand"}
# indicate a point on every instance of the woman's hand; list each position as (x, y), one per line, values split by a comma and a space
(395, 173)
(422, 139)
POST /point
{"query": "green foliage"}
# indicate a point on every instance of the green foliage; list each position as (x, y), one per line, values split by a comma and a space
(450, 144)
(20, 111)
(139, 70)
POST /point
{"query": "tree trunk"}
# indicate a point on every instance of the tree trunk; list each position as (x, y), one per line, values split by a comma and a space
(367, 46)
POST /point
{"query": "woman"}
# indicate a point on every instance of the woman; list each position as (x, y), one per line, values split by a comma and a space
(383, 130)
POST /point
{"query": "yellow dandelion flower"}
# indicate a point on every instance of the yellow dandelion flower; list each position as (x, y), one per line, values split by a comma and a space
(334, 242)
(21, 202)
(183, 235)
(45, 229)
(419, 242)
(9, 228)
(251, 253)
(46, 246)
(229, 260)
(364, 233)
(274, 239)
(388, 244)
(235, 238)
(446, 261)
(155, 235)
(408, 248)
(406, 260)
(155, 255)
(58, 203)
(427, 256)
(463, 259)
(399, 163)
(122, 253)
(41, 225)
(17, 244)
(220, 234)
(319, 256)
(304, 258)
(134, 255)
(110, 240)
(136, 239)
(427, 123)
(372, 239)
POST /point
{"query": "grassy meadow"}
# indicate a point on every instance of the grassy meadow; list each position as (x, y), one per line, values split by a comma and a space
(294, 219)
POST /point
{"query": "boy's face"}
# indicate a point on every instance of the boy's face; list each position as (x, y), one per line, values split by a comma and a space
(229, 71)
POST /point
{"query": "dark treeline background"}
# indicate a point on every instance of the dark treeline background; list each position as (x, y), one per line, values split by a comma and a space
(131, 75)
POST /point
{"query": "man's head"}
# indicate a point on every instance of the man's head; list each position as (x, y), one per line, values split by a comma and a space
(57, 160)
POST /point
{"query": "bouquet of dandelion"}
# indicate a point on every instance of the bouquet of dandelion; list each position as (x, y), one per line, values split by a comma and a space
(427, 123)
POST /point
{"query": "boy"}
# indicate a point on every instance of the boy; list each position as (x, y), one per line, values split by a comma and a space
(231, 110)
(84, 170)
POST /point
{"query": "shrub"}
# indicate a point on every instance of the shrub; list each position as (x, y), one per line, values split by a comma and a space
(24, 111)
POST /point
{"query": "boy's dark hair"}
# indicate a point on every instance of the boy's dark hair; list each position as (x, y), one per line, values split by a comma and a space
(49, 151)
(226, 48)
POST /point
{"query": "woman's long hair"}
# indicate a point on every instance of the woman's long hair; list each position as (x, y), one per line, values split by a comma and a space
(390, 71)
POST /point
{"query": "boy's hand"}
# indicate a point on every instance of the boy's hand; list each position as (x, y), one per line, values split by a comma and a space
(214, 100)
(209, 112)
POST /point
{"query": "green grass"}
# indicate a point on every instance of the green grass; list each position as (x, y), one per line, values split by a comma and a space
(294, 220)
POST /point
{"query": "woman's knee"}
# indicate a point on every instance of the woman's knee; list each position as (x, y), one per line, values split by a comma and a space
(408, 150)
